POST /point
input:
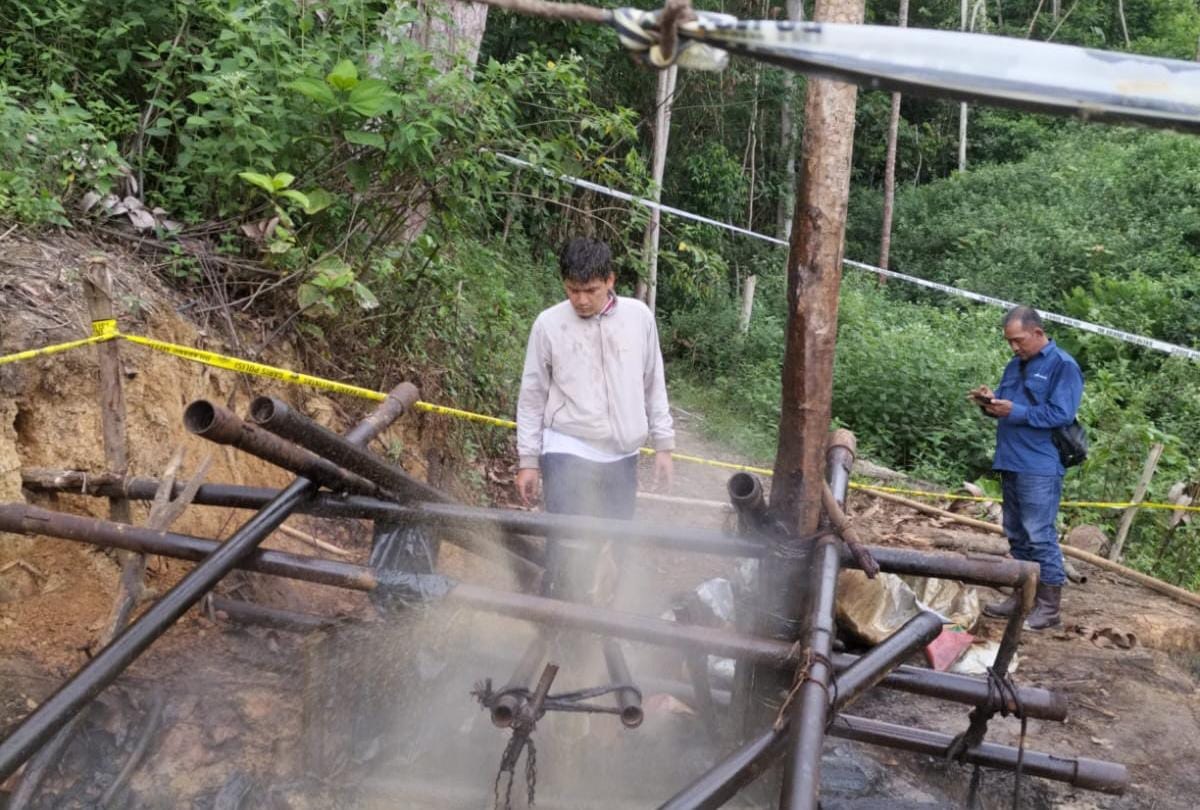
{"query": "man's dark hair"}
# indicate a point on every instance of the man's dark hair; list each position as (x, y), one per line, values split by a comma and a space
(1025, 316)
(582, 260)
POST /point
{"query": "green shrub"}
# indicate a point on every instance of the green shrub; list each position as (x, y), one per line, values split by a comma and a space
(51, 153)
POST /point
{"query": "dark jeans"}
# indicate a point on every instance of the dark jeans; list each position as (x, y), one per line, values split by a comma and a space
(1030, 512)
(575, 486)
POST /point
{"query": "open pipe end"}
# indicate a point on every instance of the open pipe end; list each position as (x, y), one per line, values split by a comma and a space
(502, 716)
(264, 409)
(199, 417)
(632, 716)
(745, 490)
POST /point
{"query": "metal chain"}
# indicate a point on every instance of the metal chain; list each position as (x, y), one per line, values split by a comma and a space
(519, 741)
(530, 770)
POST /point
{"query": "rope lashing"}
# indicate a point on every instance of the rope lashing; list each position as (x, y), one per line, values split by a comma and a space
(659, 38)
(1017, 73)
(1003, 698)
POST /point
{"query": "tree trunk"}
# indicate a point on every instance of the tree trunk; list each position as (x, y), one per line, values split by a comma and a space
(889, 170)
(647, 290)
(450, 29)
(814, 277)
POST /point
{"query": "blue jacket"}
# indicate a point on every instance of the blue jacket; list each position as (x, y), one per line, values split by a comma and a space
(1023, 442)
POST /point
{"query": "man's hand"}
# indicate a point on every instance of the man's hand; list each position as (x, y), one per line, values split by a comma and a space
(664, 471)
(998, 408)
(980, 395)
(527, 484)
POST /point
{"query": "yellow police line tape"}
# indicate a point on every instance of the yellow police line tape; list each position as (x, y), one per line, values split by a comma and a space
(106, 330)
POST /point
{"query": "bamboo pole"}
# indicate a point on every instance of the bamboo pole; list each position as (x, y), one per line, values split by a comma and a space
(1165, 588)
(1139, 493)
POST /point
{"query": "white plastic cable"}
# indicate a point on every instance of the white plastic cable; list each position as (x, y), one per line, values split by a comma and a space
(1107, 331)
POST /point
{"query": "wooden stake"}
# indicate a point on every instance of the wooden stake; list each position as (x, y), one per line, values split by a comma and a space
(648, 290)
(889, 168)
(748, 288)
(97, 290)
(1138, 495)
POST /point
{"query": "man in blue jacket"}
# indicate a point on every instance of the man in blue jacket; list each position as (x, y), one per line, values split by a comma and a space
(1038, 392)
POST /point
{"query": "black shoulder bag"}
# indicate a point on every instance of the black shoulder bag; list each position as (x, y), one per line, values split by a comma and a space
(1070, 441)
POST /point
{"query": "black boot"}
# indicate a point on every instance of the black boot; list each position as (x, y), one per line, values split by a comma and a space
(1002, 610)
(1045, 612)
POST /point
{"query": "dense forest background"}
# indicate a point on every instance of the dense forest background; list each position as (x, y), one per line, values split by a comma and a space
(332, 168)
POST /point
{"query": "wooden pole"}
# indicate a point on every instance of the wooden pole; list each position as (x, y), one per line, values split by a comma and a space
(889, 168)
(814, 279)
(1139, 493)
(648, 289)
(747, 307)
(97, 290)
(962, 108)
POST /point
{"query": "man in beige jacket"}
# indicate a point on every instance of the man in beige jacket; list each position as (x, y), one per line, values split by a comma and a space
(592, 393)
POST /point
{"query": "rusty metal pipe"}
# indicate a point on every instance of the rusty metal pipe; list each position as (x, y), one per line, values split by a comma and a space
(1043, 704)
(220, 425)
(746, 493)
(628, 699)
(279, 418)
(973, 569)
(276, 416)
(118, 654)
(242, 612)
(976, 569)
(719, 784)
(881, 659)
(802, 769)
(1090, 774)
(20, 518)
(515, 527)
(749, 501)
(508, 704)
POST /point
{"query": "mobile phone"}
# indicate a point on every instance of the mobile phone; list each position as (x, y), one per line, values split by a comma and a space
(981, 399)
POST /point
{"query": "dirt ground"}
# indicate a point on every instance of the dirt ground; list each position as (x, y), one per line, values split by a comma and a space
(1138, 706)
(257, 717)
